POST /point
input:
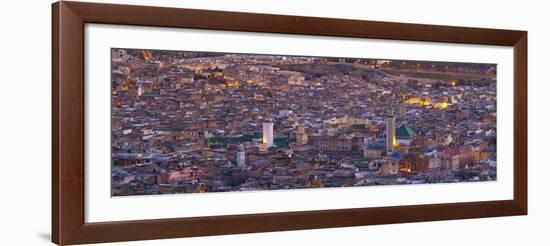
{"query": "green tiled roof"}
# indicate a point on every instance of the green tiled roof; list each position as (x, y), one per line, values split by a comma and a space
(283, 142)
(151, 94)
(404, 131)
(358, 126)
(235, 140)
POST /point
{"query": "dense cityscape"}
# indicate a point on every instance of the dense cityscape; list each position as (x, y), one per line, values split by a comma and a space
(194, 122)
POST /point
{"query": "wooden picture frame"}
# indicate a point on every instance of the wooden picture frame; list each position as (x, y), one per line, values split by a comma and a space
(68, 223)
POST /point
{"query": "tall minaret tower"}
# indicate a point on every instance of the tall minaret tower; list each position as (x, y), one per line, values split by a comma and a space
(402, 108)
(390, 131)
(268, 134)
(140, 91)
(241, 156)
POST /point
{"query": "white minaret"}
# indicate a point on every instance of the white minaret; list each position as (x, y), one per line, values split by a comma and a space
(268, 134)
(241, 156)
(390, 132)
(139, 91)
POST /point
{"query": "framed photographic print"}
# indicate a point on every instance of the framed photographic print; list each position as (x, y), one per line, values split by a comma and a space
(174, 122)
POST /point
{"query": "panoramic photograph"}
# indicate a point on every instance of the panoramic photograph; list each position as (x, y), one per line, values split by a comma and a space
(198, 122)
